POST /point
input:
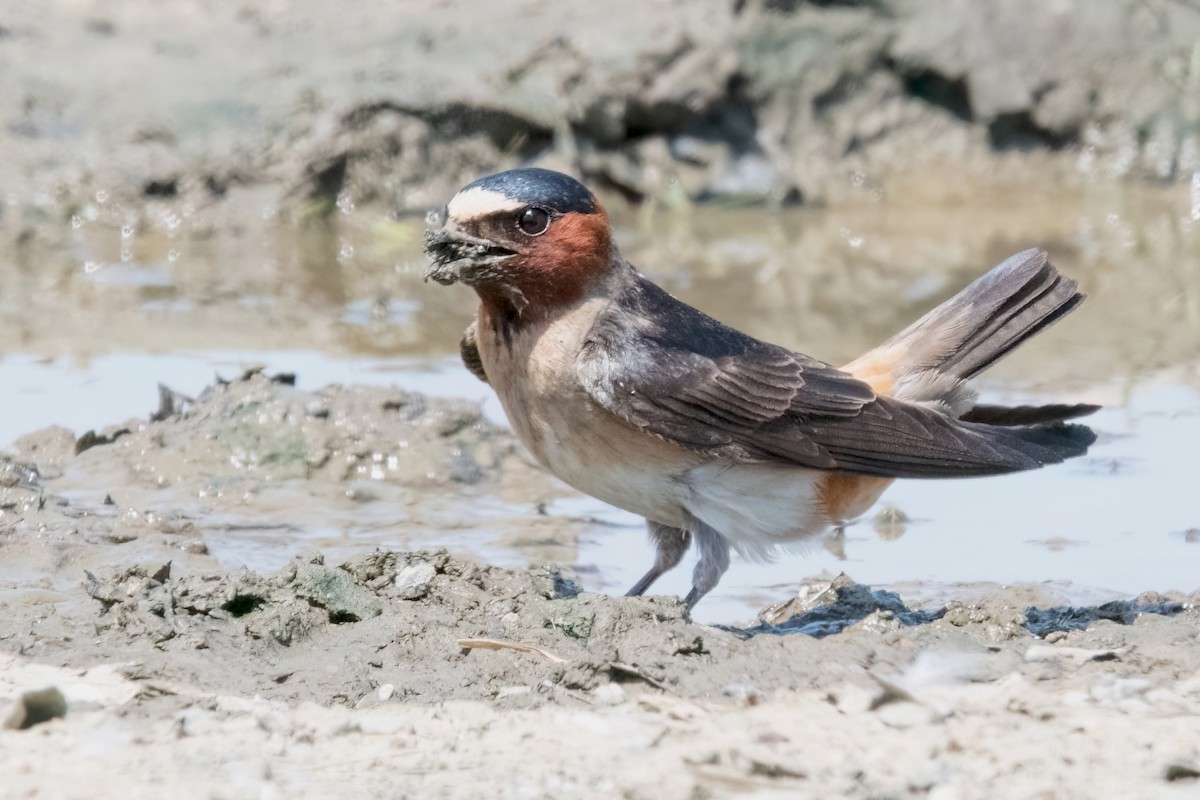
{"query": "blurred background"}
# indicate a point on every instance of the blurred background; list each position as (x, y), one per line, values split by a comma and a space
(195, 187)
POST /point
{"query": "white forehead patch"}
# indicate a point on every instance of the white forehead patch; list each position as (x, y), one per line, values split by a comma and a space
(474, 203)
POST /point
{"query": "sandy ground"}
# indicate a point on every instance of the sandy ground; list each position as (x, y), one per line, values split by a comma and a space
(417, 674)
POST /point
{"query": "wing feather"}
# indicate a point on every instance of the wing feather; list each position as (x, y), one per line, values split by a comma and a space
(684, 377)
(468, 348)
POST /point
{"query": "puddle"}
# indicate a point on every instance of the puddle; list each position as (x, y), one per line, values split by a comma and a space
(343, 303)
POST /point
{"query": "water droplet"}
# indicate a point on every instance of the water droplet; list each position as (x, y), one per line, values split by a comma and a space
(102, 196)
(91, 266)
(126, 231)
(851, 239)
(346, 253)
(172, 256)
(76, 221)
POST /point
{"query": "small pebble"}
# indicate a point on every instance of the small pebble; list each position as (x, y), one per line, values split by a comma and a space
(413, 581)
(610, 694)
(743, 692)
(34, 707)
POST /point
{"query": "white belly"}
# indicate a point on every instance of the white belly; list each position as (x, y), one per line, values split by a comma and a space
(757, 507)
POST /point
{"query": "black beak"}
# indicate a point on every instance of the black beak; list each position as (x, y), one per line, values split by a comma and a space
(457, 256)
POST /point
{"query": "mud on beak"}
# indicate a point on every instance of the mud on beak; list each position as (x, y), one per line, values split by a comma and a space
(457, 256)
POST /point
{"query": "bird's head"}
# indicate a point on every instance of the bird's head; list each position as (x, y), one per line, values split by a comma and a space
(526, 237)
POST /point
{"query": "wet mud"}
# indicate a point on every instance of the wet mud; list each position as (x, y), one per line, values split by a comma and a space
(114, 603)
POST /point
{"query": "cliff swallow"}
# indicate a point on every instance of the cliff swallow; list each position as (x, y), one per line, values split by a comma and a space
(717, 438)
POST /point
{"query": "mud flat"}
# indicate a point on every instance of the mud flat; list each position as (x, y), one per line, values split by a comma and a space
(133, 663)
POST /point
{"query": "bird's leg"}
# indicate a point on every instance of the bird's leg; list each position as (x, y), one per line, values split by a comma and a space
(669, 546)
(714, 560)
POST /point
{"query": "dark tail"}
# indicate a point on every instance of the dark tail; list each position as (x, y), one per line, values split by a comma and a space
(1009, 416)
(930, 361)
(1051, 444)
(985, 321)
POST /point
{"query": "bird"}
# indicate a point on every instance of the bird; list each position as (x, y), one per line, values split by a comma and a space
(720, 440)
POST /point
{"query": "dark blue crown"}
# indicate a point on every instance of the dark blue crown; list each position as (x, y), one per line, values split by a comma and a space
(542, 187)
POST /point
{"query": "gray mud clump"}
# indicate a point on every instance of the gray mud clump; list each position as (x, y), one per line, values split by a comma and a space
(1044, 621)
(398, 618)
(825, 610)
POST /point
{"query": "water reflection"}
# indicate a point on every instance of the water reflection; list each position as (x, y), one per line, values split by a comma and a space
(830, 283)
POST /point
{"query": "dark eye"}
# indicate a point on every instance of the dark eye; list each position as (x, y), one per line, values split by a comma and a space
(534, 221)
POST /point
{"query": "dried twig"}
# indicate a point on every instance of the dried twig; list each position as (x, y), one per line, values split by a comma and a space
(499, 644)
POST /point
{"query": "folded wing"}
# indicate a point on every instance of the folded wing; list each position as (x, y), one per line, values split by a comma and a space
(684, 377)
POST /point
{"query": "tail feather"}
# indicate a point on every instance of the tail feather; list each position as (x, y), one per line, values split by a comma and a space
(1010, 416)
(1051, 444)
(931, 360)
(987, 320)
(1015, 301)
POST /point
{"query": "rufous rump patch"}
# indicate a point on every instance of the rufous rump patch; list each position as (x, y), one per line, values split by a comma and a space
(877, 368)
(843, 496)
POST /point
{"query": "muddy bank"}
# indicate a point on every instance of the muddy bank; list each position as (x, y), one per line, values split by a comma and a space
(422, 673)
(760, 101)
(425, 672)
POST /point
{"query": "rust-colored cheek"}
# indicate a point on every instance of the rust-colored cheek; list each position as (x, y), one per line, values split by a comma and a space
(561, 265)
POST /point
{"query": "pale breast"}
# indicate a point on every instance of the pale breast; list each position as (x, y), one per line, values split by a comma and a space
(533, 371)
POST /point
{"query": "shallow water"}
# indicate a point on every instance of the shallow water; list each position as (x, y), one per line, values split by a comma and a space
(95, 320)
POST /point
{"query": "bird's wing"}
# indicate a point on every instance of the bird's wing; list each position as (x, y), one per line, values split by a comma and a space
(469, 351)
(680, 375)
